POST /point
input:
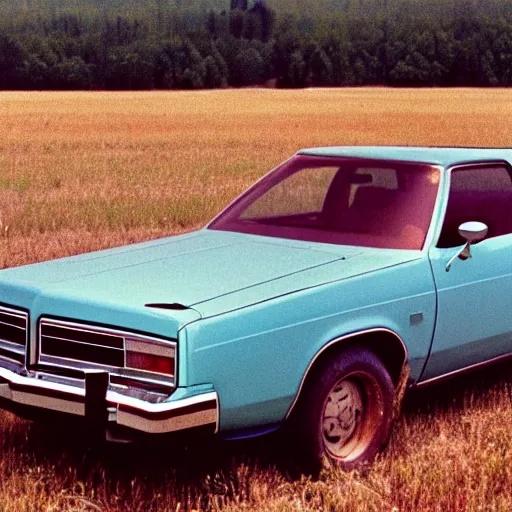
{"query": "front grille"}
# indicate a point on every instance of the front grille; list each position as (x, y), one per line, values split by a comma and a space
(73, 346)
(13, 334)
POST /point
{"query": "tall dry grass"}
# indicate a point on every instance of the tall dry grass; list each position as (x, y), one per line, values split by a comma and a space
(86, 170)
(81, 171)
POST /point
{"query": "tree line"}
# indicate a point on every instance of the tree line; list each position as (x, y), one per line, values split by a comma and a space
(195, 44)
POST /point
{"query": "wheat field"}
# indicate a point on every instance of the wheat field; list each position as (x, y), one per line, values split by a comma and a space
(84, 171)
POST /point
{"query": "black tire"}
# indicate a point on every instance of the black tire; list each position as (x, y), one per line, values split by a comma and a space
(344, 414)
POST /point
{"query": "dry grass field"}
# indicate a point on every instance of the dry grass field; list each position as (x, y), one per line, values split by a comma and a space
(83, 171)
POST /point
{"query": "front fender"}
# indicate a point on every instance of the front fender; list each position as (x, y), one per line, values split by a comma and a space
(256, 357)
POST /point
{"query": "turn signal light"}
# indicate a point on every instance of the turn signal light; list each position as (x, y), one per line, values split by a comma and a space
(150, 357)
(150, 363)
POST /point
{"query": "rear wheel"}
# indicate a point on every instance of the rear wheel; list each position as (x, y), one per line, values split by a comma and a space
(344, 414)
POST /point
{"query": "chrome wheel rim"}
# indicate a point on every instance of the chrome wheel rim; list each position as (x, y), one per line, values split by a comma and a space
(342, 412)
(351, 415)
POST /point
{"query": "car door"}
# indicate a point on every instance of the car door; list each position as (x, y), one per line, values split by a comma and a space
(474, 313)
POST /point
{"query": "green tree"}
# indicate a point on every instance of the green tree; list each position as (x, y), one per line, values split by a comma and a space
(228, 48)
(195, 71)
(214, 76)
(252, 27)
(236, 23)
(337, 52)
(320, 68)
(171, 62)
(12, 63)
(167, 43)
(239, 4)
(249, 68)
(71, 74)
(221, 65)
(288, 43)
(296, 72)
(502, 49)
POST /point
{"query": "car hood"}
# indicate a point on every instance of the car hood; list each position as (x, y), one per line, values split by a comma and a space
(206, 271)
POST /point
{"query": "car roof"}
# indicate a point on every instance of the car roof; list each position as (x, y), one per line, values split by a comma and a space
(443, 156)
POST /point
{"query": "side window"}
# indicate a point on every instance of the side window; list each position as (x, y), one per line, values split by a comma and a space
(478, 194)
(486, 179)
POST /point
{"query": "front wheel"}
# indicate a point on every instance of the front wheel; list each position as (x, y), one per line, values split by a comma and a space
(344, 415)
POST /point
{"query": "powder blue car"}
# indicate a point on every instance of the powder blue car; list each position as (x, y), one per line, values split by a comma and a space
(313, 300)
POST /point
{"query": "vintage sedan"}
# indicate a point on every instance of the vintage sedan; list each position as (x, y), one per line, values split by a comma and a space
(344, 276)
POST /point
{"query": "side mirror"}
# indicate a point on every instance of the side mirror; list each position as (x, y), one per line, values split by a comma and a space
(472, 232)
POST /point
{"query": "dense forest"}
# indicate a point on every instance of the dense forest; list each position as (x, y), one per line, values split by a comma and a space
(193, 44)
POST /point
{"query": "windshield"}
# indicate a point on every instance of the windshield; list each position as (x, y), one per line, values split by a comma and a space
(344, 201)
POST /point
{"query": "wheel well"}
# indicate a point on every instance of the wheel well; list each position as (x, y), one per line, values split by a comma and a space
(385, 344)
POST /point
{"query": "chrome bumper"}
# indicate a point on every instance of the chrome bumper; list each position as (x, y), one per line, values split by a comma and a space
(155, 418)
